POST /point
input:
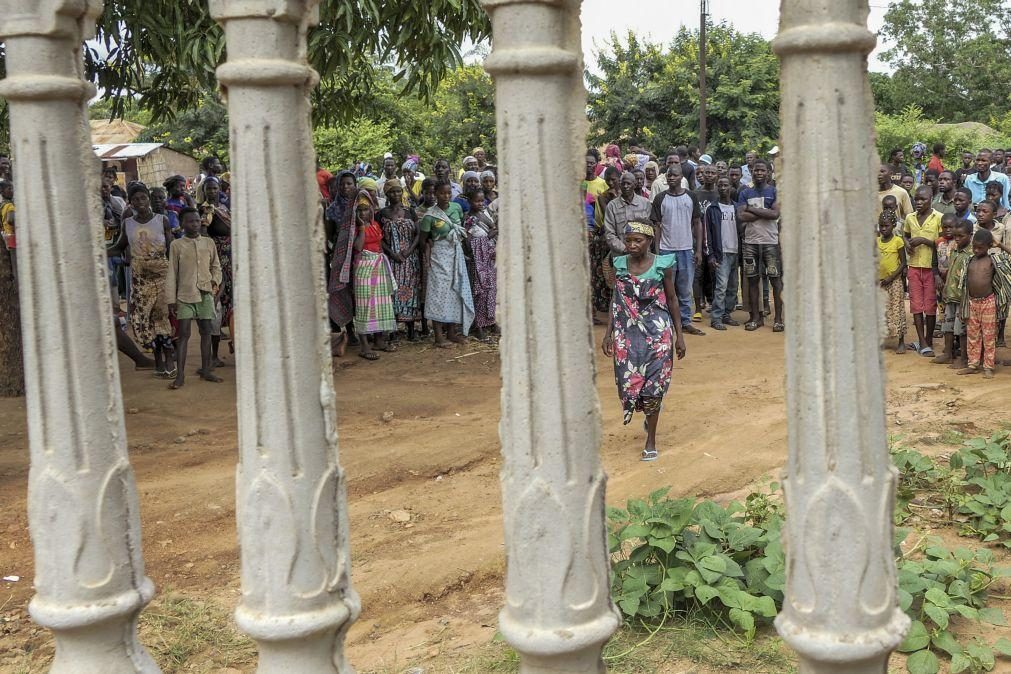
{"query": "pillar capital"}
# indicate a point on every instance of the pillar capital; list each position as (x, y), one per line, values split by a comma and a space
(53, 18)
(288, 11)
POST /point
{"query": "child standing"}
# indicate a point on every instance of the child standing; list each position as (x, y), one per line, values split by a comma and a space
(891, 266)
(922, 228)
(374, 285)
(194, 278)
(951, 293)
(985, 293)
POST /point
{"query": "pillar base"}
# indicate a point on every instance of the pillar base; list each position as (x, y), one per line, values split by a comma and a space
(566, 649)
(100, 638)
(827, 652)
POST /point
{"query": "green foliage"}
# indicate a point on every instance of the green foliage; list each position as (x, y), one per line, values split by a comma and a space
(935, 591)
(650, 93)
(460, 116)
(985, 501)
(165, 52)
(360, 139)
(200, 132)
(950, 58)
(678, 557)
(910, 126)
(674, 555)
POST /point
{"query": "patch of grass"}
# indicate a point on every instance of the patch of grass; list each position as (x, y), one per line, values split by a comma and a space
(952, 436)
(668, 649)
(194, 635)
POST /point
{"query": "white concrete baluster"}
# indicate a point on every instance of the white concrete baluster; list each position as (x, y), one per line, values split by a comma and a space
(558, 612)
(841, 614)
(297, 600)
(82, 500)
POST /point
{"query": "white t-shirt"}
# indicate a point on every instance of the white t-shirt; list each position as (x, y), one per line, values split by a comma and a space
(728, 228)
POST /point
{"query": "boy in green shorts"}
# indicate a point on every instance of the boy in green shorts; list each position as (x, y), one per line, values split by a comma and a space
(194, 279)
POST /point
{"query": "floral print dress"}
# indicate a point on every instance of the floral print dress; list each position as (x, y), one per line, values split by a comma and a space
(643, 336)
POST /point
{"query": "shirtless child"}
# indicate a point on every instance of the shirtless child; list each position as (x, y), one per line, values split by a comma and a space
(979, 307)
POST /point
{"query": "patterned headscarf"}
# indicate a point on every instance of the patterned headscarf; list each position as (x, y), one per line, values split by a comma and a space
(390, 184)
(639, 228)
(368, 184)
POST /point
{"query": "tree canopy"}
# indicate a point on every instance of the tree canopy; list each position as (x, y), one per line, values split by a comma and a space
(950, 59)
(164, 52)
(649, 92)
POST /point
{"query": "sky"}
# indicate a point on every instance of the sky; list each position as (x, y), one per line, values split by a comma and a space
(659, 20)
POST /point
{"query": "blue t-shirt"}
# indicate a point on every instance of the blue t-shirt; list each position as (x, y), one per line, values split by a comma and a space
(765, 232)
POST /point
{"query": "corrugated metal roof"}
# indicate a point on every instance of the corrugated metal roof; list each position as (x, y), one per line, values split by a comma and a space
(125, 150)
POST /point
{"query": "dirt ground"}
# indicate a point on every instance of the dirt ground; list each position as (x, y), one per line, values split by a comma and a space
(431, 585)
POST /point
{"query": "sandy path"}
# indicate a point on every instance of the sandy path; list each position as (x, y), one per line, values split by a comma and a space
(723, 429)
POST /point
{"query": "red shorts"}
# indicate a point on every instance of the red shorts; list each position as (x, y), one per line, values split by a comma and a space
(922, 293)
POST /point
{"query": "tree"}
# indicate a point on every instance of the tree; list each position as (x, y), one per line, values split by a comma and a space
(199, 132)
(460, 116)
(164, 52)
(650, 93)
(950, 58)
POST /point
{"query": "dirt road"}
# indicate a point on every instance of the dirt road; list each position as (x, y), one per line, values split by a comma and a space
(423, 486)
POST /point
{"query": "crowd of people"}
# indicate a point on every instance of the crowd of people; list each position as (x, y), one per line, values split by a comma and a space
(670, 240)
(941, 243)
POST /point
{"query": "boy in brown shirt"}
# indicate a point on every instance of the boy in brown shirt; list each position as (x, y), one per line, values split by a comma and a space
(194, 279)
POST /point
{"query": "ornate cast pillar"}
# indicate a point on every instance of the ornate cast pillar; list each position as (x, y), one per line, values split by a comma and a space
(558, 611)
(841, 614)
(82, 500)
(297, 601)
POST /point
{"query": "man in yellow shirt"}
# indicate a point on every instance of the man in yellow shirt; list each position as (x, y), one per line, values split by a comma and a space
(595, 185)
(921, 230)
(887, 187)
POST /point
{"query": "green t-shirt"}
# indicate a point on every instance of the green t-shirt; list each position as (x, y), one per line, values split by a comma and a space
(654, 273)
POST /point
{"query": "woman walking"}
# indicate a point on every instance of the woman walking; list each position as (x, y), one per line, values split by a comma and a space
(400, 243)
(448, 299)
(148, 237)
(644, 330)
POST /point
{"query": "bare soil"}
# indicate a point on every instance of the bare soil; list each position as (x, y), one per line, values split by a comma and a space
(419, 442)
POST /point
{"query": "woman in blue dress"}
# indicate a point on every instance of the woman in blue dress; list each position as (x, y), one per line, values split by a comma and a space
(645, 329)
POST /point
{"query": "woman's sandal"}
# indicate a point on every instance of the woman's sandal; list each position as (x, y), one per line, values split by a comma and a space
(751, 326)
(650, 455)
(778, 327)
(369, 356)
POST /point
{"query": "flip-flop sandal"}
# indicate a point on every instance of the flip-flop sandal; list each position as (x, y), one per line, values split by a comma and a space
(778, 327)
(751, 326)
(369, 356)
(213, 378)
(389, 348)
(927, 352)
(650, 455)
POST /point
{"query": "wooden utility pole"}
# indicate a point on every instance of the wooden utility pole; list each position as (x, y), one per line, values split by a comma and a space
(703, 14)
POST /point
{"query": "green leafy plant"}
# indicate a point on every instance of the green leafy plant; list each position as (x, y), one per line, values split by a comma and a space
(675, 555)
(935, 591)
(985, 500)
